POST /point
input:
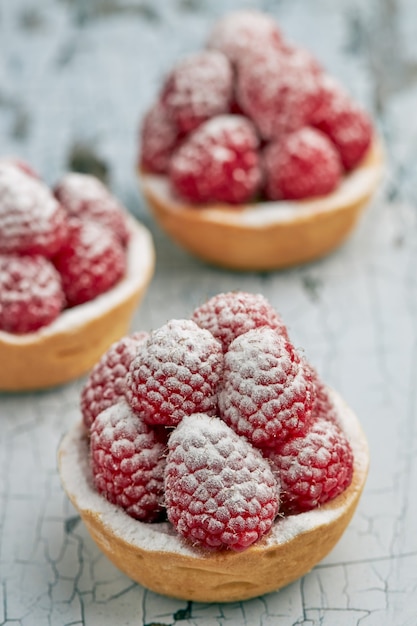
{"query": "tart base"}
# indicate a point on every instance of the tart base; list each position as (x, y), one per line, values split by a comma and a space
(154, 556)
(74, 342)
(267, 235)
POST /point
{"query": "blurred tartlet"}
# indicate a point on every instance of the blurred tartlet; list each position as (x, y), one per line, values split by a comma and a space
(71, 276)
(252, 156)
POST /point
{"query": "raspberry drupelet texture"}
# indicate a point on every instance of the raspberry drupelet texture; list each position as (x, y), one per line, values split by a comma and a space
(219, 490)
(106, 384)
(31, 219)
(31, 294)
(176, 373)
(127, 462)
(198, 88)
(313, 468)
(244, 32)
(228, 315)
(91, 261)
(159, 138)
(302, 164)
(266, 392)
(85, 196)
(219, 162)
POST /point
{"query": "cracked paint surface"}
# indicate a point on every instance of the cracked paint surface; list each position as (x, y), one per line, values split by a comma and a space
(77, 73)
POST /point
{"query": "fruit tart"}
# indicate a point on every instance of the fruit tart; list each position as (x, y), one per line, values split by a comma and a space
(211, 463)
(252, 157)
(73, 266)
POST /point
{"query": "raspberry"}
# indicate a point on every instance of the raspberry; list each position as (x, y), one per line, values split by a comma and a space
(176, 373)
(313, 468)
(228, 315)
(31, 294)
(20, 164)
(344, 122)
(198, 88)
(266, 394)
(279, 91)
(107, 381)
(323, 406)
(302, 164)
(219, 162)
(159, 137)
(85, 196)
(219, 491)
(31, 220)
(127, 462)
(242, 32)
(90, 262)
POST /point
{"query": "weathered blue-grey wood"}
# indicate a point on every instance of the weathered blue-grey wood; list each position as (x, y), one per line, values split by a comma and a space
(81, 73)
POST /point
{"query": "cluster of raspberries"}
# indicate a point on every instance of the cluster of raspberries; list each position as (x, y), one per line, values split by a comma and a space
(252, 116)
(58, 248)
(214, 422)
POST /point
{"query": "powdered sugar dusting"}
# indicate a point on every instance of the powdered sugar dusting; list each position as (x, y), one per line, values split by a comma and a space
(354, 187)
(162, 537)
(140, 259)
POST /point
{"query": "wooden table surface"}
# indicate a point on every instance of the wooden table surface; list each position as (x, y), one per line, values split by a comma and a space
(75, 79)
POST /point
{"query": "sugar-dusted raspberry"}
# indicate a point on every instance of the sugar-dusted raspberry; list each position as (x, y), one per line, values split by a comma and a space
(302, 164)
(323, 406)
(344, 122)
(31, 220)
(279, 91)
(106, 384)
(127, 462)
(243, 32)
(198, 88)
(228, 315)
(176, 373)
(219, 162)
(31, 294)
(219, 490)
(159, 137)
(266, 393)
(85, 196)
(20, 164)
(313, 468)
(90, 262)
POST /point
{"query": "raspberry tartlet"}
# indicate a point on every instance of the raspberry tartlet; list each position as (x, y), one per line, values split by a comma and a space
(252, 157)
(211, 462)
(73, 267)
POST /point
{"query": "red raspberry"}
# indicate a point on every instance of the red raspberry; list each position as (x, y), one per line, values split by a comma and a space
(266, 394)
(198, 88)
(176, 373)
(219, 491)
(127, 462)
(31, 294)
(219, 162)
(243, 32)
(85, 196)
(344, 122)
(313, 468)
(302, 164)
(106, 383)
(20, 164)
(159, 137)
(278, 91)
(90, 262)
(31, 220)
(323, 406)
(228, 315)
